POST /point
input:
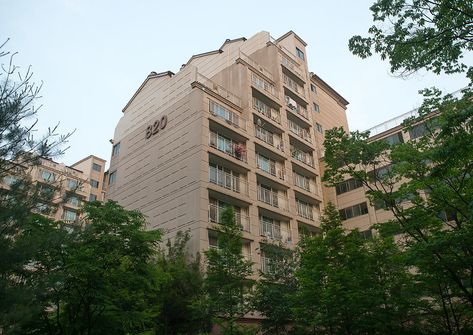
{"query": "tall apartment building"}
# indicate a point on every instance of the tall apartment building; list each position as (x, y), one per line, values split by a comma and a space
(72, 185)
(241, 126)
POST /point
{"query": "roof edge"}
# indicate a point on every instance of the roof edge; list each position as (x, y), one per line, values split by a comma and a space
(295, 35)
(331, 90)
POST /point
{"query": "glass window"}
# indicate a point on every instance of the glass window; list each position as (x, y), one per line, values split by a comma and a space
(394, 139)
(300, 53)
(72, 184)
(313, 88)
(417, 131)
(92, 197)
(354, 211)
(96, 167)
(69, 215)
(316, 108)
(319, 127)
(94, 183)
(348, 185)
(47, 176)
(116, 149)
(112, 177)
(74, 201)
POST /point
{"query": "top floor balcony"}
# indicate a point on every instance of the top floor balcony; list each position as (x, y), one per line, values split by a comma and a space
(227, 115)
(218, 89)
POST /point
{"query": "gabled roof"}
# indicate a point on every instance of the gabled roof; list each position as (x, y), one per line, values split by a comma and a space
(329, 88)
(152, 75)
(218, 51)
(295, 35)
(86, 158)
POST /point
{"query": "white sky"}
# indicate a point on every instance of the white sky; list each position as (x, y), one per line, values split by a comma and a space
(93, 55)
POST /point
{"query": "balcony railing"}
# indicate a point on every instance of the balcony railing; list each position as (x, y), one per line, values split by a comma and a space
(227, 180)
(265, 85)
(268, 137)
(272, 198)
(234, 149)
(299, 131)
(295, 107)
(291, 65)
(275, 232)
(220, 90)
(267, 111)
(242, 220)
(230, 117)
(305, 210)
(271, 167)
(305, 183)
(293, 85)
(302, 156)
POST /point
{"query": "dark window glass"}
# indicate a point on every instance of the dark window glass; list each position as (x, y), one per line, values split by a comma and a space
(94, 183)
(96, 167)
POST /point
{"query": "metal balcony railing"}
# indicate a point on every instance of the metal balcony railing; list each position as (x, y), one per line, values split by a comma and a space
(268, 137)
(227, 180)
(234, 149)
(263, 84)
(305, 183)
(291, 65)
(299, 131)
(305, 210)
(272, 198)
(294, 86)
(302, 156)
(295, 107)
(271, 167)
(230, 117)
(267, 111)
(275, 232)
(241, 219)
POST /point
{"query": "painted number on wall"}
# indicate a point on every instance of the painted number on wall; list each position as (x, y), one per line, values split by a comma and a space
(156, 126)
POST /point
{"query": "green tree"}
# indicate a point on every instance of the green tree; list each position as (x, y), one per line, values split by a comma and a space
(419, 34)
(274, 291)
(227, 280)
(348, 285)
(20, 199)
(181, 292)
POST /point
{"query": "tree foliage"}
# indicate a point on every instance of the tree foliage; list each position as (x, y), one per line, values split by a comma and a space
(416, 34)
(227, 279)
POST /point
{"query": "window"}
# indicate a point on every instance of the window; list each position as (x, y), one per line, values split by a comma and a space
(300, 53)
(301, 181)
(73, 201)
(47, 176)
(319, 127)
(69, 215)
(316, 108)
(417, 131)
(304, 209)
(367, 234)
(72, 184)
(116, 149)
(269, 227)
(92, 197)
(96, 167)
(224, 177)
(94, 183)
(354, 211)
(348, 185)
(112, 177)
(313, 88)
(394, 139)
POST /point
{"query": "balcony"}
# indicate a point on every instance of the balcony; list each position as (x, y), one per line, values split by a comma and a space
(296, 108)
(250, 61)
(273, 198)
(227, 180)
(299, 131)
(269, 166)
(267, 111)
(264, 85)
(274, 231)
(227, 115)
(218, 89)
(305, 183)
(228, 146)
(302, 156)
(291, 65)
(242, 220)
(293, 85)
(305, 210)
(269, 138)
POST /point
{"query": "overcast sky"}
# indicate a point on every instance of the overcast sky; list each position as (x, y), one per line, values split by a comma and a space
(93, 55)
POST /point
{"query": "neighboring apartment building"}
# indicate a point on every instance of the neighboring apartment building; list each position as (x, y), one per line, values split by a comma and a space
(71, 185)
(241, 126)
(349, 195)
(94, 168)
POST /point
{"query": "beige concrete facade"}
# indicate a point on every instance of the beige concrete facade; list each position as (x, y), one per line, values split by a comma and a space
(234, 126)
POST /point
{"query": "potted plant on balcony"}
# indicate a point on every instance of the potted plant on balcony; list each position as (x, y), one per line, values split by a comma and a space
(239, 151)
